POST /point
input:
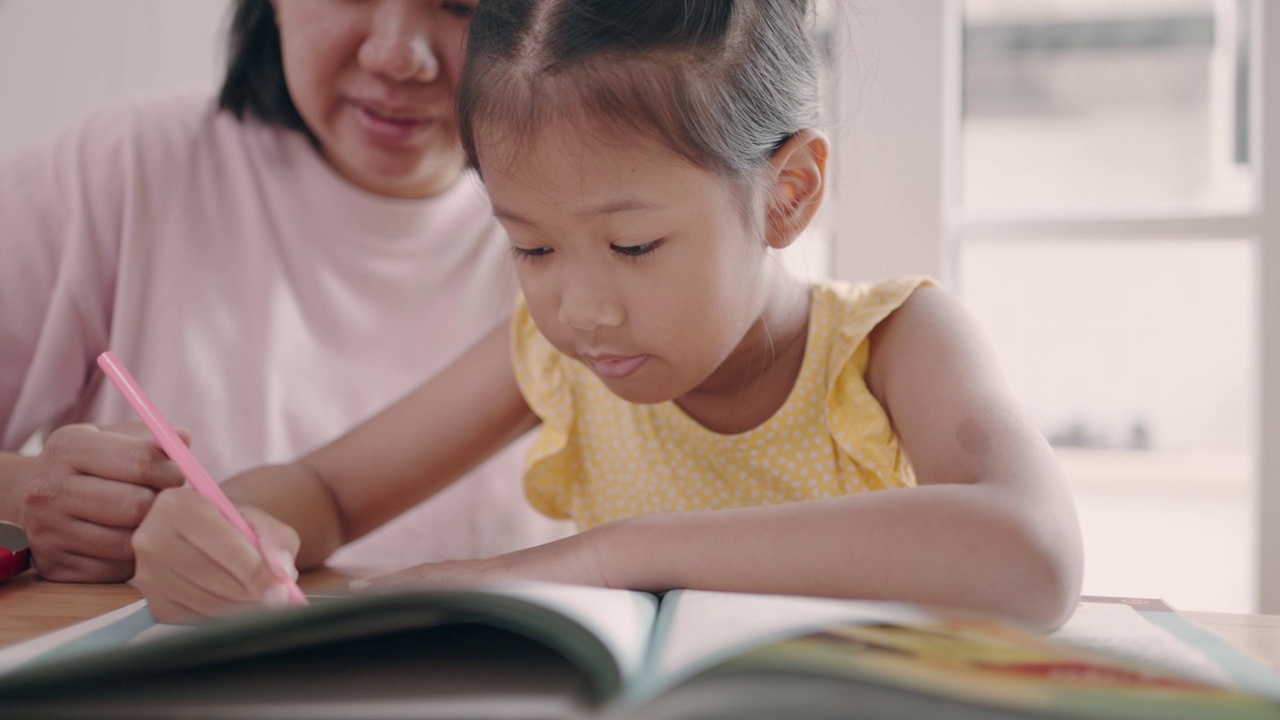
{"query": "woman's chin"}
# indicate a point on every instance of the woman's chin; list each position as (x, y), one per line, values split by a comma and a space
(414, 182)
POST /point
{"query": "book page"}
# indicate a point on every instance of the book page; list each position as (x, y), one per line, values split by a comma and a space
(474, 671)
(842, 653)
(1151, 631)
(619, 620)
(697, 629)
(114, 629)
(622, 619)
(1118, 629)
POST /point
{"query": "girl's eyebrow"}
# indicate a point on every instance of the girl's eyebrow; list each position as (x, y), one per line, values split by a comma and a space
(610, 207)
(620, 205)
(509, 216)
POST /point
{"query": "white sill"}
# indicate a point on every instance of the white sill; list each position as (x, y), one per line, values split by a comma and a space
(1157, 472)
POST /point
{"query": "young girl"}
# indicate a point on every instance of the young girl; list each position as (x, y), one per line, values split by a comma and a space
(707, 420)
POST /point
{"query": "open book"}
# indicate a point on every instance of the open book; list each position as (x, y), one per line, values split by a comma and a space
(554, 651)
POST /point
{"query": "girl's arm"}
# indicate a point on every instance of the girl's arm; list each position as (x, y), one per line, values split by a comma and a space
(190, 562)
(991, 526)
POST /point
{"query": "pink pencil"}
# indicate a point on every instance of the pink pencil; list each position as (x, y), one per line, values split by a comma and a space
(180, 454)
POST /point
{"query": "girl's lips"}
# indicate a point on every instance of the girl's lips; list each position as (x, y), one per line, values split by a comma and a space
(615, 367)
(386, 125)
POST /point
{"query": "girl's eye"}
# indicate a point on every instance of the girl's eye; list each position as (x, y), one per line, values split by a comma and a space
(635, 251)
(529, 253)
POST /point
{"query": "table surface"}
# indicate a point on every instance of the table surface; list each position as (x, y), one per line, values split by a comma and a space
(30, 606)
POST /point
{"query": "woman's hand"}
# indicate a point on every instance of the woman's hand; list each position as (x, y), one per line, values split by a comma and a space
(81, 499)
(192, 563)
(575, 560)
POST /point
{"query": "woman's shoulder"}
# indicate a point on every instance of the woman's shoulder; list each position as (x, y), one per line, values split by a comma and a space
(145, 120)
(130, 147)
(140, 130)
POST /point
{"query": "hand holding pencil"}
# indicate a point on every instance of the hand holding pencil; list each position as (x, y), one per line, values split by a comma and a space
(200, 480)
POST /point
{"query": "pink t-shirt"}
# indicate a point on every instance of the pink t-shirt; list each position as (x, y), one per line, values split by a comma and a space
(266, 304)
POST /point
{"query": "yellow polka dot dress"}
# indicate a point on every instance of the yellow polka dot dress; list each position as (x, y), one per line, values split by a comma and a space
(598, 458)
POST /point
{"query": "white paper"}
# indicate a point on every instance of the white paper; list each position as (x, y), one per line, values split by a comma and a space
(1118, 629)
(622, 619)
(707, 627)
(24, 652)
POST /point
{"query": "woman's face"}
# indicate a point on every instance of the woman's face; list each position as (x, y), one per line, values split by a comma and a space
(375, 82)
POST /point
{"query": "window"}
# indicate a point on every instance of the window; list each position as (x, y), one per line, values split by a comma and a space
(1086, 175)
(1088, 130)
(1103, 107)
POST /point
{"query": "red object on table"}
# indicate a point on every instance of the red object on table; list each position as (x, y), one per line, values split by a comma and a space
(15, 554)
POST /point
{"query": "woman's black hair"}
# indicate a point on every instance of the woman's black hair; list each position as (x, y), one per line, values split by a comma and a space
(722, 83)
(254, 84)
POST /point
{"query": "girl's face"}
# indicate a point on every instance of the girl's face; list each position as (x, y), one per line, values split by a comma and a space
(633, 261)
(375, 82)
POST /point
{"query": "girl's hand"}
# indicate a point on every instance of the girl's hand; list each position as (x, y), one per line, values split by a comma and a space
(192, 563)
(574, 560)
(82, 497)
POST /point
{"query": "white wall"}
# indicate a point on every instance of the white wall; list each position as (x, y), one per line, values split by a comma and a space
(895, 88)
(59, 59)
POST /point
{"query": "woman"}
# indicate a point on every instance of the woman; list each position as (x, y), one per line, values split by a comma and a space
(273, 267)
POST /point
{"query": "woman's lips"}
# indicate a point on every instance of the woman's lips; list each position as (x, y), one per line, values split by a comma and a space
(615, 367)
(389, 124)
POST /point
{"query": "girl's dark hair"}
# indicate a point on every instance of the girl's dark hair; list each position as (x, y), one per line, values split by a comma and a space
(722, 83)
(254, 84)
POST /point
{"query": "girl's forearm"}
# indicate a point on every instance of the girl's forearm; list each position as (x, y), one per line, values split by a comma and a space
(296, 495)
(955, 545)
(399, 457)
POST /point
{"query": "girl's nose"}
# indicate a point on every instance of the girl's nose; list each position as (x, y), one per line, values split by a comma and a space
(589, 306)
(399, 45)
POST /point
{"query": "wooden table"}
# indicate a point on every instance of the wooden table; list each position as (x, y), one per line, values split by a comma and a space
(30, 606)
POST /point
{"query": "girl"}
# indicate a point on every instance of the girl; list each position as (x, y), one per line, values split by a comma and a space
(707, 420)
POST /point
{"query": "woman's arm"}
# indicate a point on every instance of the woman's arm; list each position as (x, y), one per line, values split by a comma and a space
(63, 205)
(991, 526)
(81, 497)
(192, 563)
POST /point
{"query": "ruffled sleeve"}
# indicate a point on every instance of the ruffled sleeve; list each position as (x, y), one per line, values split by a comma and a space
(542, 376)
(857, 421)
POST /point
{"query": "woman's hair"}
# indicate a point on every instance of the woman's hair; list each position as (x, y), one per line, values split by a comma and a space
(254, 84)
(722, 83)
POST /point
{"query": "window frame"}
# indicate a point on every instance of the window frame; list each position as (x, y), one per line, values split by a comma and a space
(895, 173)
(1265, 88)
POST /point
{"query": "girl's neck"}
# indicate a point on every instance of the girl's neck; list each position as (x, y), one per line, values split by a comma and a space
(757, 378)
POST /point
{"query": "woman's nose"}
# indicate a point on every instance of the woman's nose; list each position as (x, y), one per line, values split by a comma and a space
(399, 45)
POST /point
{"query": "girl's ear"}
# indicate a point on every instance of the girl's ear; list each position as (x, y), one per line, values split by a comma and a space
(799, 181)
